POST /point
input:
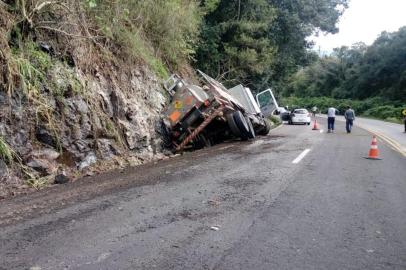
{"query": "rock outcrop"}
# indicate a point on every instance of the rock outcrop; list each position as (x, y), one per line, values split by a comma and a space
(105, 122)
(72, 99)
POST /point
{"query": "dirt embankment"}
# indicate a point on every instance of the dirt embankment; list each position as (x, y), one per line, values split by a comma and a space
(72, 102)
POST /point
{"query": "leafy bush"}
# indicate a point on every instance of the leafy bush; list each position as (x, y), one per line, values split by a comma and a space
(384, 112)
(373, 107)
(275, 120)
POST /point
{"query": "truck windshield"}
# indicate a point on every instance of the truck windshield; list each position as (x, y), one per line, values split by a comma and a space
(265, 99)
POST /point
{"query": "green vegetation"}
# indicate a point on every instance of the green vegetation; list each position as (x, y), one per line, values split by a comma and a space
(260, 42)
(256, 42)
(6, 153)
(371, 79)
(40, 78)
(372, 107)
(157, 32)
(275, 120)
(32, 65)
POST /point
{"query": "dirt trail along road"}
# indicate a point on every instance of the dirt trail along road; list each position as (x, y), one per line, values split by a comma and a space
(296, 199)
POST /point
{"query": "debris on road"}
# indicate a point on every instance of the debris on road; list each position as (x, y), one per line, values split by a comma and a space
(213, 202)
(61, 178)
(214, 228)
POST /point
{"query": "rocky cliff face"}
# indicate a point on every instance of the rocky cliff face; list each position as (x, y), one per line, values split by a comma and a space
(79, 123)
(75, 98)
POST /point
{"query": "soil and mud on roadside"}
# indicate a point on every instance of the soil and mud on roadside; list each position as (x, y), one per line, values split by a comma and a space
(56, 197)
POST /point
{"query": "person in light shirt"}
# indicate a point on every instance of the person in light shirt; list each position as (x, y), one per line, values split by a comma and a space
(331, 117)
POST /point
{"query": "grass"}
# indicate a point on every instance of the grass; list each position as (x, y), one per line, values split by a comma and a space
(32, 178)
(38, 183)
(162, 33)
(7, 154)
(275, 120)
(139, 49)
(40, 79)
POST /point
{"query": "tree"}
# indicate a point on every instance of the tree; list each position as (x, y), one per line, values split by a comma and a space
(358, 72)
(261, 42)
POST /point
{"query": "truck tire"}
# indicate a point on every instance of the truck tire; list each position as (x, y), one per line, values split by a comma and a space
(265, 130)
(251, 133)
(232, 125)
(242, 125)
(166, 135)
(201, 141)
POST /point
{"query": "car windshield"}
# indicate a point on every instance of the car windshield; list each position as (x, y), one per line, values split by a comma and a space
(301, 111)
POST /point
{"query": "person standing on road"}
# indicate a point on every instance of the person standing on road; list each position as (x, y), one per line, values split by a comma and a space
(314, 111)
(331, 117)
(349, 118)
(404, 118)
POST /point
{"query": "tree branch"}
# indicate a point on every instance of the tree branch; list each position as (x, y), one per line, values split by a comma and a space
(66, 33)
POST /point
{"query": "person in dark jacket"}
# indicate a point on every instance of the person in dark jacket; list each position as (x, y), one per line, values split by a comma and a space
(404, 120)
(349, 118)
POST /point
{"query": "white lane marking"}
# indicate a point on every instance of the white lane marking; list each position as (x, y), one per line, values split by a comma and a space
(301, 156)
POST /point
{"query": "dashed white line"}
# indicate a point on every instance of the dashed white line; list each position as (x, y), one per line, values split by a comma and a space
(301, 156)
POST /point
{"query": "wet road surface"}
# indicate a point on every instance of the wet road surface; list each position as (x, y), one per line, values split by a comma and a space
(392, 132)
(238, 205)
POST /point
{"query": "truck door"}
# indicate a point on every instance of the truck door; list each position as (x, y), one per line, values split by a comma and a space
(267, 102)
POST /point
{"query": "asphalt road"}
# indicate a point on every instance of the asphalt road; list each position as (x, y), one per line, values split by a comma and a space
(238, 205)
(392, 132)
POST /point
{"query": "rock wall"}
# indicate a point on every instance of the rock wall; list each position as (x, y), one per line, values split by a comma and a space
(110, 121)
(73, 100)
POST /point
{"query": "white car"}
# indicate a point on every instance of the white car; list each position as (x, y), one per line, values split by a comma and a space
(300, 116)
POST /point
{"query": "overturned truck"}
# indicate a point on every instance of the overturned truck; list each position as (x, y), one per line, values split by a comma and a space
(200, 116)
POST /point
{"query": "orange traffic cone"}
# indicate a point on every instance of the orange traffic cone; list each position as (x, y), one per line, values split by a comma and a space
(315, 125)
(373, 151)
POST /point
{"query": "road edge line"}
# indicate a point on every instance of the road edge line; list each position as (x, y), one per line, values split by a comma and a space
(392, 143)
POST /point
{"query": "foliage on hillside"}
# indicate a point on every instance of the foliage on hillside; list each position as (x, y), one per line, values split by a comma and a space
(256, 42)
(161, 33)
(156, 31)
(359, 72)
(375, 107)
(260, 42)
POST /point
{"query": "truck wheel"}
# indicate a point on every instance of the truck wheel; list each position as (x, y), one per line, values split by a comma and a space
(166, 135)
(251, 133)
(232, 125)
(242, 125)
(265, 130)
(202, 141)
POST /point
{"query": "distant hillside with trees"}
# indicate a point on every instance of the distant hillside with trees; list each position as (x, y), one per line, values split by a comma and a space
(371, 78)
(261, 42)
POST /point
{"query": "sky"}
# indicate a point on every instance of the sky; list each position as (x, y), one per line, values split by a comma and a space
(363, 21)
